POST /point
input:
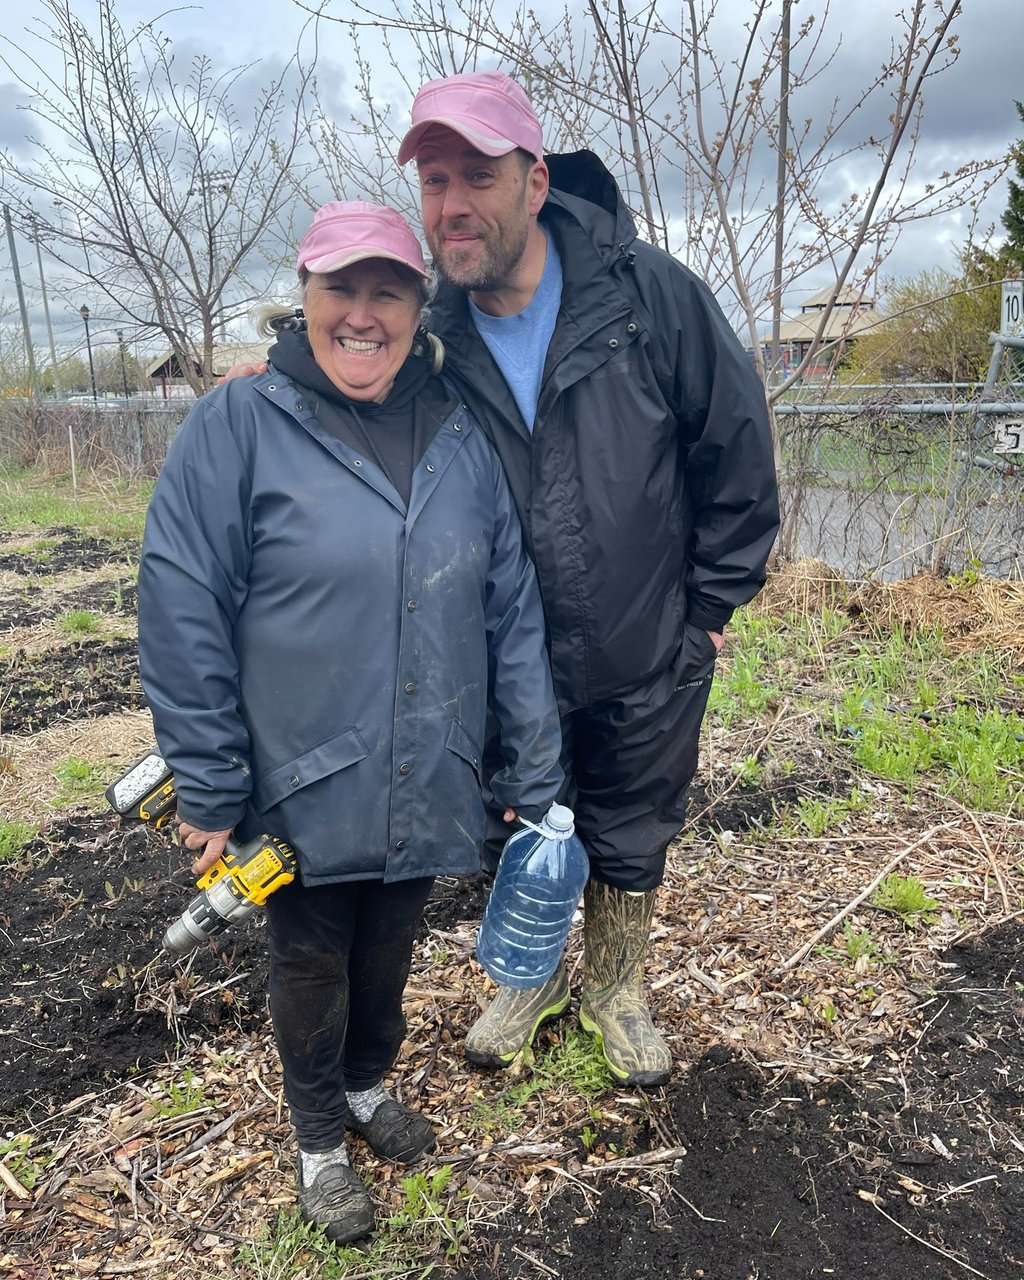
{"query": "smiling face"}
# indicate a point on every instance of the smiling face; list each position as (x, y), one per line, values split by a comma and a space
(361, 322)
(477, 209)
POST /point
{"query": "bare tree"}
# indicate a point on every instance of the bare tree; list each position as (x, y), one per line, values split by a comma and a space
(696, 120)
(146, 180)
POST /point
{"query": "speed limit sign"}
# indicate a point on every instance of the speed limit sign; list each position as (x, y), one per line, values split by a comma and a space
(1011, 315)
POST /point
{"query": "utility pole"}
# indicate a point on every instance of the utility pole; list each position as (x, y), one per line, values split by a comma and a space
(83, 311)
(21, 303)
(46, 310)
(124, 374)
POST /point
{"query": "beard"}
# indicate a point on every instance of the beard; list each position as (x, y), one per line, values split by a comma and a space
(490, 264)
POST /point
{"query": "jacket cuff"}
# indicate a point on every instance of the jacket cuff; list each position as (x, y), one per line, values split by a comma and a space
(709, 619)
(223, 819)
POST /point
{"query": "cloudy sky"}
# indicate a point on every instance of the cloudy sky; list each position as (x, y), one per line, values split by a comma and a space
(969, 109)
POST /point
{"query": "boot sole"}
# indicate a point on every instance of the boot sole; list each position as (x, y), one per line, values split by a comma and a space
(498, 1062)
(645, 1079)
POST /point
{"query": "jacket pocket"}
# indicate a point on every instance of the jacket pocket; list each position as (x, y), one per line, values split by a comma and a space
(346, 748)
(695, 660)
(464, 747)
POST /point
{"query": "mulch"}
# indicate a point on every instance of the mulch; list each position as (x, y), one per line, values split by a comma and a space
(827, 1116)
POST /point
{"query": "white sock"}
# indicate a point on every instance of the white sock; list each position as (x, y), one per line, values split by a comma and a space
(314, 1161)
(366, 1102)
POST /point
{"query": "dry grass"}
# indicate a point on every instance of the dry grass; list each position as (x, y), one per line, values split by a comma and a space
(27, 778)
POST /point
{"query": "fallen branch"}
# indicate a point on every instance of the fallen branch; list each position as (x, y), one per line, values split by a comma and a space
(527, 1151)
(665, 1156)
(13, 1185)
(992, 861)
(698, 975)
(825, 930)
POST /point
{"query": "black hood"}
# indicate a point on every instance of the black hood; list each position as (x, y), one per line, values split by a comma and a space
(583, 187)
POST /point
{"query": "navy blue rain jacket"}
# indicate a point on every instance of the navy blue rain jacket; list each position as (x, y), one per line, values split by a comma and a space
(318, 658)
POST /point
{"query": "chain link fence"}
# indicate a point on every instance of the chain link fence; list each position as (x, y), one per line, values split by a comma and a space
(885, 481)
(875, 481)
(127, 439)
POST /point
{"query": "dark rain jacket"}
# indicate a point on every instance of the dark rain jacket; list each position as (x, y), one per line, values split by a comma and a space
(647, 488)
(317, 656)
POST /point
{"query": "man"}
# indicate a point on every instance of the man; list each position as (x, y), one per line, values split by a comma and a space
(635, 435)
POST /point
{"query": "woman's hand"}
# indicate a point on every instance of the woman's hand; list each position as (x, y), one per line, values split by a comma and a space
(243, 371)
(195, 838)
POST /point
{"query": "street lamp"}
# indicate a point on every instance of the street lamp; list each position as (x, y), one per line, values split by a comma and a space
(120, 349)
(83, 311)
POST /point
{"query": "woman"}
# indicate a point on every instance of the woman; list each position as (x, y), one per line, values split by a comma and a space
(333, 587)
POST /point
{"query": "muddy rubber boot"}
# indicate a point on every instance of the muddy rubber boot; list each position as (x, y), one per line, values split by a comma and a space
(616, 929)
(513, 1018)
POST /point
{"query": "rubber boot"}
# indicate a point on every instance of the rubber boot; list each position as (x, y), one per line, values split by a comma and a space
(513, 1018)
(616, 929)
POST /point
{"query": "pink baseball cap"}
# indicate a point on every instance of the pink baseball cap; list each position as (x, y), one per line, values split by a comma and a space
(487, 108)
(347, 231)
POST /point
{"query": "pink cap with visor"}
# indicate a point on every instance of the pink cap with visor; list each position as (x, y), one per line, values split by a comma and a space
(347, 231)
(487, 108)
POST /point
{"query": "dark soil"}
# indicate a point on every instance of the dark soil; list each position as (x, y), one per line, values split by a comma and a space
(781, 1182)
(65, 548)
(775, 1175)
(118, 598)
(89, 678)
(78, 925)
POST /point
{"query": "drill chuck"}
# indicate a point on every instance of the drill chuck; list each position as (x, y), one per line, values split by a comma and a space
(240, 881)
(209, 913)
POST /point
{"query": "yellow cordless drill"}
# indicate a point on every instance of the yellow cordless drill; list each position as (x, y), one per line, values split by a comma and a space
(241, 879)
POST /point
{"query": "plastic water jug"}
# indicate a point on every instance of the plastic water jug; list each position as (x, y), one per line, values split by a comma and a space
(537, 889)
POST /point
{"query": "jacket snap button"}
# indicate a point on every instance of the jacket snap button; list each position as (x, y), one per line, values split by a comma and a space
(272, 387)
(411, 606)
(298, 405)
(431, 468)
(399, 844)
(358, 463)
(613, 342)
(405, 768)
(456, 426)
(631, 328)
(410, 688)
(293, 781)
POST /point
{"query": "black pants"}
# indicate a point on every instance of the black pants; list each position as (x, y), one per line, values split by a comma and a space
(628, 762)
(339, 960)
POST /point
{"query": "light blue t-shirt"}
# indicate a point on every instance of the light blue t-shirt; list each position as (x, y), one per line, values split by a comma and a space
(519, 343)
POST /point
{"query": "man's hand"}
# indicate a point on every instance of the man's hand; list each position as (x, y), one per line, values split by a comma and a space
(510, 815)
(243, 371)
(717, 639)
(195, 838)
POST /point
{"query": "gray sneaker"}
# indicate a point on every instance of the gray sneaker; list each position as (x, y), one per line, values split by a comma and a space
(337, 1201)
(513, 1018)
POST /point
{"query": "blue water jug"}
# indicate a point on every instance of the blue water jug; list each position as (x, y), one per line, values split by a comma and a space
(536, 891)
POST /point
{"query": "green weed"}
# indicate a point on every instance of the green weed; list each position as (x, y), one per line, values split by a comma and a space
(981, 753)
(15, 837)
(575, 1065)
(78, 780)
(14, 1153)
(816, 818)
(181, 1099)
(750, 771)
(905, 897)
(411, 1243)
(79, 622)
(858, 942)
